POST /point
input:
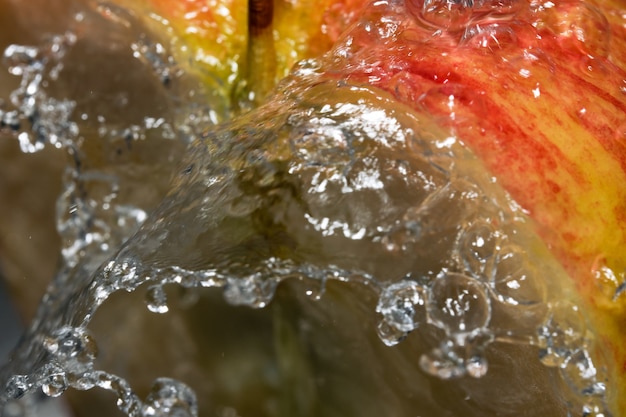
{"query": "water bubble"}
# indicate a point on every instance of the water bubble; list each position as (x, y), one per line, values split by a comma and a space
(458, 304)
(398, 304)
(156, 299)
(170, 398)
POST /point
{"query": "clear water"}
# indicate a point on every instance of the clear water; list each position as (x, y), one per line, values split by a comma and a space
(391, 271)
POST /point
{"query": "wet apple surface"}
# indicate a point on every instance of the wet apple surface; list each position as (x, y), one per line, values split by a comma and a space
(428, 218)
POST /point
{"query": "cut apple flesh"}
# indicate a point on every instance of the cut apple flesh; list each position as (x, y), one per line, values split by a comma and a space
(335, 182)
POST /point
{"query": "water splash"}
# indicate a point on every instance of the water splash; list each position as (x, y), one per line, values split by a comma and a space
(330, 181)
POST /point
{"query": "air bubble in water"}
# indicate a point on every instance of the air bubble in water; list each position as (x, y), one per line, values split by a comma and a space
(398, 303)
(170, 398)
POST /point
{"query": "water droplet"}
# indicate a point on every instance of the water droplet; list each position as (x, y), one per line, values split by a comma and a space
(458, 304)
(170, 398)
(156, 299)
(398, 304)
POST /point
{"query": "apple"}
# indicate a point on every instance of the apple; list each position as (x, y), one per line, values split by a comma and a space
(535, 90)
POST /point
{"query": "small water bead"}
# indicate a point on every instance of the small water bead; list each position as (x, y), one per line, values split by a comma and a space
(561, 334)
(156, 299)
(170, 398)
(458, 304)
(399, 303)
